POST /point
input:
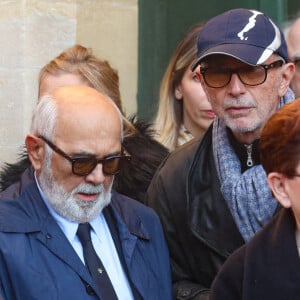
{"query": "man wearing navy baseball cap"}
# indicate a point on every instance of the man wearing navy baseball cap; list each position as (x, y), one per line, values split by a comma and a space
(247, 35)
(212, 196)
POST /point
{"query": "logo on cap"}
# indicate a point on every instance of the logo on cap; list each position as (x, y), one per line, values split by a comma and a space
(249, 26)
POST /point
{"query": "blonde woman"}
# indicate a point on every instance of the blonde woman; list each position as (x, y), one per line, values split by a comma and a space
(183, 110)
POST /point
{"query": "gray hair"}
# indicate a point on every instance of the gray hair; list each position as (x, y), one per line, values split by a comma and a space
(44, 117)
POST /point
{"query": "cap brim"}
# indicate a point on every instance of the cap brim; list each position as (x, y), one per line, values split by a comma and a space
(195, 64)
(249, 54)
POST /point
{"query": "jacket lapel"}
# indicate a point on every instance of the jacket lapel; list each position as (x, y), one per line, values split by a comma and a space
(54, 239)
(131, 231)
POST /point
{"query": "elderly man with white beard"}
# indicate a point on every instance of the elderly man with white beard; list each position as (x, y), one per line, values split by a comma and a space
(68, 235)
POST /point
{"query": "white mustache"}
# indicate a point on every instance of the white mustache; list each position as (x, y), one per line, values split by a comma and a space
(88, 189)
(238, 102)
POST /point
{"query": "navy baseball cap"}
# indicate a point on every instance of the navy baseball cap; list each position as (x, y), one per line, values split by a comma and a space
(245, 34)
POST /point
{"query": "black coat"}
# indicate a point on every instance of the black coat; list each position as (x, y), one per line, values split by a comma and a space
(268, 267)
(198, 225)
(132, 181)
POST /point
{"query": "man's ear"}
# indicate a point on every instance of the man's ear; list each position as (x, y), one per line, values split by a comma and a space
(287, 75)
(279, 186)
(35, 151)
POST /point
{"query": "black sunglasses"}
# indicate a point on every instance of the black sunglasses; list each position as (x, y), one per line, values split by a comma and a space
(84, 165)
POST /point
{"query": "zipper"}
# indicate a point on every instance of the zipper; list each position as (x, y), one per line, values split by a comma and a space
(249, 155)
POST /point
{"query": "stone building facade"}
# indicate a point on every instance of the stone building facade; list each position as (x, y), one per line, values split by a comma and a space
(34, 31)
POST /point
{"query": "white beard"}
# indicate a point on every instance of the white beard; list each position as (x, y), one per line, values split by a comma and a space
(65, 204)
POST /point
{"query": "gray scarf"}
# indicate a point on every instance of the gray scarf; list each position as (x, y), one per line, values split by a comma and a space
(247, 194)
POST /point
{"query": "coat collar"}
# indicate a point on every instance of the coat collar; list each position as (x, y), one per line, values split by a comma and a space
(126, 215)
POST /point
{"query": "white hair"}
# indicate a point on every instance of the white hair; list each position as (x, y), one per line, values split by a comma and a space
(44, 117)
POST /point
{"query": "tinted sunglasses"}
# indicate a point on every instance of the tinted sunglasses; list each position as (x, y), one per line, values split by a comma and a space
(84, 165)
(216, 77)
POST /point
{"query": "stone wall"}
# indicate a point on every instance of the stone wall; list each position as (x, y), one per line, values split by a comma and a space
(34, 31)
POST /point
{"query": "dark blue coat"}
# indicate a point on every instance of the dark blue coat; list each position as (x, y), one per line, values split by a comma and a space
(38, 262)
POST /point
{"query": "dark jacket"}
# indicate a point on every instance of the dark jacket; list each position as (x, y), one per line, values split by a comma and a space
(198, 225)
(38, 262)
(132, 181)
(268, 267)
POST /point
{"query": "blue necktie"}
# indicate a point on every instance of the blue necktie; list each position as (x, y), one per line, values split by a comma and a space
(94, 263)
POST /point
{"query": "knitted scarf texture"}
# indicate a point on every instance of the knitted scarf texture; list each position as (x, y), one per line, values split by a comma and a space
(247, 194)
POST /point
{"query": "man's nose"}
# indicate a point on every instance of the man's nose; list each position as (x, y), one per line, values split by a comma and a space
(96, 176)
(235, 85)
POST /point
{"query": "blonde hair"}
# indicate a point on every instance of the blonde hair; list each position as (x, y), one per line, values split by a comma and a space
(169, 115)
(97, 73)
